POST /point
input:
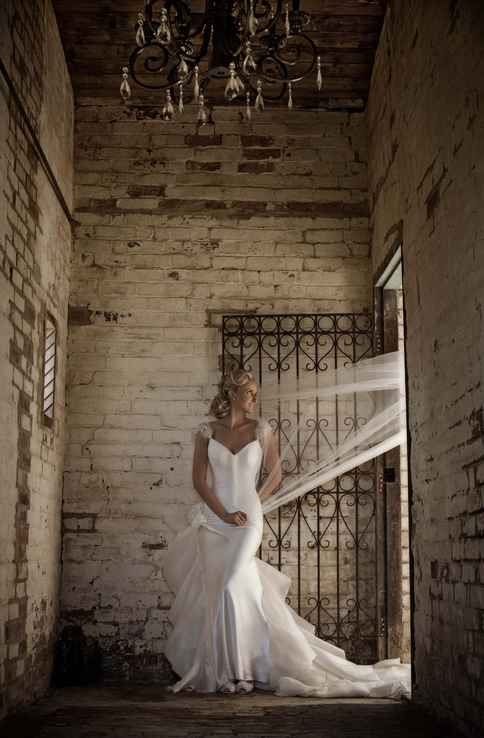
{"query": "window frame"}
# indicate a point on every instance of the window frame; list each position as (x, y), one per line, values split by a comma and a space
(48, 411)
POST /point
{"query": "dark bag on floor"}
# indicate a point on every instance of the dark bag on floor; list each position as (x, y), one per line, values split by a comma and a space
(77, 658)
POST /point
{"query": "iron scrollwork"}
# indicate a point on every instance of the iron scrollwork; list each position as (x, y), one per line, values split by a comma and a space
(326, 540)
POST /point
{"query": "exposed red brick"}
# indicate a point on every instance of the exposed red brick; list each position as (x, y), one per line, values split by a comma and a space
(79, 315)
(258, 141)
(14, 630)
(29, 312)
(200, 140)
(262, 153)
(255, 167)
(146, 191)
(202, 166)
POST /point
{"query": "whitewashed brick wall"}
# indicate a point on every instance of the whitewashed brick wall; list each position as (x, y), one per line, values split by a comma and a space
(35, 240)
(174, 230)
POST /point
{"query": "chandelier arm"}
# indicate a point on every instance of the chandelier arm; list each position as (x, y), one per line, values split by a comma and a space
(283, 64)
(245, 35)
(260, 76)
(298, 18)
(182, 11)
(273, 21)
(155, 61)
(226, 38)
(205, 29)
(207, 35)
(288, 64)
(268, 95)
(192, 32)
(225, 25)
(148, 15)
(154, 65)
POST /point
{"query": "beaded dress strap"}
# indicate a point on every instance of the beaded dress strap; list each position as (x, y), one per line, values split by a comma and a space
(262, 428)
(206, 430)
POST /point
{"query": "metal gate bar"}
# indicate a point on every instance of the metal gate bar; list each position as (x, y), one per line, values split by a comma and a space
(333, 560)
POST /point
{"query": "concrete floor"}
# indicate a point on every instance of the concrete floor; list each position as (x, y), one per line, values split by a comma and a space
(147, 711)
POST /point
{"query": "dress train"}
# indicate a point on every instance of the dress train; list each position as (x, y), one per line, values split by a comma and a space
(230, 618)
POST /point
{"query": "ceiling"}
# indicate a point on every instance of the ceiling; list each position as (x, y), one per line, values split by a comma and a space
(98, 36)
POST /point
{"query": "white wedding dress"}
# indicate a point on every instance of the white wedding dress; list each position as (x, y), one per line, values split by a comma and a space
(230, 619)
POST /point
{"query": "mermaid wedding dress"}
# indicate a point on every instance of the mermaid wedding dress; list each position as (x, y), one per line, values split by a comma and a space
(230, 619)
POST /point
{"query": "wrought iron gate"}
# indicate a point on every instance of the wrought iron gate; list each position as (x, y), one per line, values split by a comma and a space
(326, 540)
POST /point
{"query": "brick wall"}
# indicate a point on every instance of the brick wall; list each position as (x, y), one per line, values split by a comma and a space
(34, 265)
(174, 229)
(426, 148)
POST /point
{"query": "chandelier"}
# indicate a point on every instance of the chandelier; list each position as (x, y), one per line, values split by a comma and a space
(256, 50)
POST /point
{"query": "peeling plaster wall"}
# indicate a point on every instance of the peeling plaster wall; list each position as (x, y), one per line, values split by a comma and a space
(426, 153)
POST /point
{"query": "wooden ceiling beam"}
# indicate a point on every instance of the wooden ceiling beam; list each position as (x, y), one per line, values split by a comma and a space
(98, 36)
(132, 7)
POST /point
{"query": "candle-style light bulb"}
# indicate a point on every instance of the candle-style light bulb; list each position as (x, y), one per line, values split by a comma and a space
(140, 33)
(248, 112)
(163, 33)
(248, 65)
(259, 100)
(182, 69)
(125, 89)
(202, 116)
(319, 75)
(168, 111)
(196, 83)
(252, 21)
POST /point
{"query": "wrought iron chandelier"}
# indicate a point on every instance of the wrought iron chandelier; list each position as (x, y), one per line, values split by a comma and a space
(257, 47)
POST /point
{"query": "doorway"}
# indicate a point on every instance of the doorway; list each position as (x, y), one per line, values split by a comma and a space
(395, 595)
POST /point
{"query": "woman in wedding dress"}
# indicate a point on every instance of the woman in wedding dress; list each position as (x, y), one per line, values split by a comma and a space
(232, 629)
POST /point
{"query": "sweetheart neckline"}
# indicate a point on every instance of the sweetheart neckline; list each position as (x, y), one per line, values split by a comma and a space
(256, 440)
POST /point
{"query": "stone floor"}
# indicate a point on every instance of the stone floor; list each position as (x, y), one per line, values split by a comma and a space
(141, 711)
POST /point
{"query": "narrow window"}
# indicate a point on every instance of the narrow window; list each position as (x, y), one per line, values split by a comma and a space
(50, 341)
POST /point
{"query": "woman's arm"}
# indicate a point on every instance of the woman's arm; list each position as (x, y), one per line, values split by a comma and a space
(199, 476)
(272, 465)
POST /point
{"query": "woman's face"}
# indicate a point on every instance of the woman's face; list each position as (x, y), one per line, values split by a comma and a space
(246, 397)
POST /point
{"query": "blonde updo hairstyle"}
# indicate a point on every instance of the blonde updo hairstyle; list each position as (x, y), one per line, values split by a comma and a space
(228, 387)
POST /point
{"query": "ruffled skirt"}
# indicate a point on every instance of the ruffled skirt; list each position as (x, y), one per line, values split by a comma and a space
(231, 621)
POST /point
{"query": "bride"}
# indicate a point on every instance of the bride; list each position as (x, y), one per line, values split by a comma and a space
(232, 629)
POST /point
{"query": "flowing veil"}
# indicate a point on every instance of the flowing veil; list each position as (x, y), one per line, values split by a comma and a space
(369, 395)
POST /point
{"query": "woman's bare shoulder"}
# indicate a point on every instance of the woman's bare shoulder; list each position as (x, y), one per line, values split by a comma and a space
(264, 430)
(263, 423)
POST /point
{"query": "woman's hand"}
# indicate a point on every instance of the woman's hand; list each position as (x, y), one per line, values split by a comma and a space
(239, 517)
